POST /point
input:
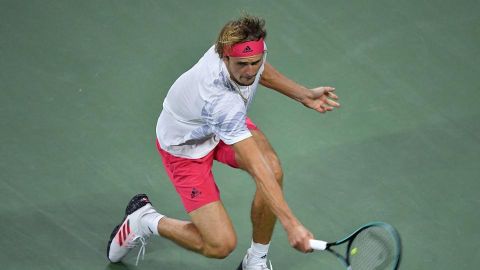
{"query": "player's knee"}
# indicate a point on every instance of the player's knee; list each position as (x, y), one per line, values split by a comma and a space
(220, 251)
(221, 245)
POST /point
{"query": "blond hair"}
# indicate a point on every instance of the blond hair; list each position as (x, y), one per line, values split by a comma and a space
(245, 28)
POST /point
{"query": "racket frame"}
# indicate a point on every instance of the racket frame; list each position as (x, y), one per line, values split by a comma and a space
(322, 245)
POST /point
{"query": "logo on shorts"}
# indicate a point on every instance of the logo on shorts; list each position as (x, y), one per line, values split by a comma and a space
(195, 193)
(247, 49)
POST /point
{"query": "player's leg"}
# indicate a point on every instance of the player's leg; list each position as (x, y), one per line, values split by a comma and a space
(209, 233)
(263, 219)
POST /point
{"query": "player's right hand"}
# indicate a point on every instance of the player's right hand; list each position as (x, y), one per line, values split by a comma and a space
(299, 238)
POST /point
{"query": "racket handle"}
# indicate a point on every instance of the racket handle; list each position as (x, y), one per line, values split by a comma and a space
(318, 244)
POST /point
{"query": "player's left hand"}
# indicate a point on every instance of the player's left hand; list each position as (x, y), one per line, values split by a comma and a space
(321, 99)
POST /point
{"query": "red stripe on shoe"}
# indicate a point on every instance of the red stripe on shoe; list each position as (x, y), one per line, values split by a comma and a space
(120, 237)
(128, 226)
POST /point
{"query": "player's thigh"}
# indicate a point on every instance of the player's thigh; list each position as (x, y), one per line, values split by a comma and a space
(268, 151)
(262, 142)
(214, 225)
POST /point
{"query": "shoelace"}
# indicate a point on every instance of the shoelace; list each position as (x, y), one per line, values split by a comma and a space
(265, 267)
(143, 243)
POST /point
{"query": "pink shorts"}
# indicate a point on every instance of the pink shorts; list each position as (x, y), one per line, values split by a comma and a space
(193, 178)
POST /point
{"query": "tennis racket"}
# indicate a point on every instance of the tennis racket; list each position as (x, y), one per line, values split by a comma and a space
(374, 246)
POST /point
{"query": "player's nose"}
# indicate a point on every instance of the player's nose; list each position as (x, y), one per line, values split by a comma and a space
(250, 72)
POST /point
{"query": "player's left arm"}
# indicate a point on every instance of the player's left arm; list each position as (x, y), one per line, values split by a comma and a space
(321, 99)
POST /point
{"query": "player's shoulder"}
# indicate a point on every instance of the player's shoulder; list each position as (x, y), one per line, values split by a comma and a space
(209, 60)
(213, 75)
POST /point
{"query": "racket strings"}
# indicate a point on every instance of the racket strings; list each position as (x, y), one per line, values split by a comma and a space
(372, 249)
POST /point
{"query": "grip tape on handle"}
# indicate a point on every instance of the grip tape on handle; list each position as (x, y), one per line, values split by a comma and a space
(318, 244)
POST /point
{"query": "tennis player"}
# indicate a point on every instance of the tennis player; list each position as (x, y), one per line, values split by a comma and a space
(204, 118)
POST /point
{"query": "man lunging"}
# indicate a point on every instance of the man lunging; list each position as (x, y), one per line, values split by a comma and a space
(204, 118)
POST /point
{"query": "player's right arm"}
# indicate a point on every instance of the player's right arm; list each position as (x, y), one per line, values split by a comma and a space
(257, 166)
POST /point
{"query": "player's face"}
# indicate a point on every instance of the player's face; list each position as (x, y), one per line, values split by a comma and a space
(243, 69)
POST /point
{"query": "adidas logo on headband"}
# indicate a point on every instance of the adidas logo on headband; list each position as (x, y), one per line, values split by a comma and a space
(247, 50)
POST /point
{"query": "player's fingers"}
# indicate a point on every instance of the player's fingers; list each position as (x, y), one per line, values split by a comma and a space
(300, 246)
(306, 242)
(328, 89)
(320, 109)
(332, 103)
(309, 249)
(325, 107)
(331, 95)
(322, 90)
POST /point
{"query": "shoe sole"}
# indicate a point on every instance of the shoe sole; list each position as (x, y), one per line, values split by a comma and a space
(135, 203)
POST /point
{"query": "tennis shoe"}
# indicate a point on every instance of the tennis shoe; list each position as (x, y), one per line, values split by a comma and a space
(130, 233)
(258, 265)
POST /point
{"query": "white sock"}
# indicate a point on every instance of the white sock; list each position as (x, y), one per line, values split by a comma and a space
(150, 222)
(257, 252)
